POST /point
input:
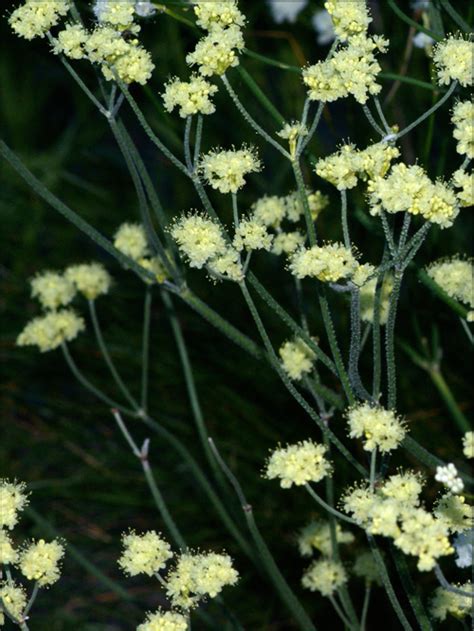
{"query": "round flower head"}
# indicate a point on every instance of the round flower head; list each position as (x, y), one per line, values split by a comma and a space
(317, 536)
(131, 240)
(35, 19)
(468, 444)
(90, 279)
(453, 60)
(463, 120)
(298, 464)
(40, 562)
(70, 41)
(375, 160)
(455, 277)
(287, 242)
(365, 567)
(191, 97)
(328, 263)
(378, 427)
(341, 168)
(8, 554)
(444, 602)
(453, 510)
(404, 487)
(359, 502)
(200, 239)
(270, 211)
(14, 598)
(465, 182)
(294, 208)
(367, 299)
(144, 554)
(349, 18)
(324, 576)
(297, 359)
(448, 475)
(225, 171)
(118, 14)
(164, 621)
(218, 51)
(252, 235)
(227, 266)
(13, 499)
(223, 14)
(53, 290)
(50, 331)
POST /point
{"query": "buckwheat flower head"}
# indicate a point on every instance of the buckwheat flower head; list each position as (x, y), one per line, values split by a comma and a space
(317, 536)
(225, 171)
(145, 553)
(191, 97)
(8, 554)
(444, 603)
(287, 242)
(362, 274)
(52, 289)
(90, 279)
(297, 359)
(70, 41)
(200, 239)
(35, 19)
(455, 277)
(327, 263)
(365, 567)
(468, 444)
(223, 14)
(375, 160)
(405, 487)
(227, 266)
(324, 576)
(217, 51)
(453, 61)
(349, 17)
(464, 545)
(367, 299)
(294, 210)
(378, 427)
(50, 331)
(252, 235)
(448, 475)
(359, 502)
(131, 240)
(117, 13)
(14, 597)
(455, 512)
(293, 132)
(269, 210)
(40, 562)
(465, 182)
(13, 499)
(164, 621)
(324, 27)
(286, 10)
(134, 66)
(425, 537)
(463, 120)
(298, 464)
(341, 168)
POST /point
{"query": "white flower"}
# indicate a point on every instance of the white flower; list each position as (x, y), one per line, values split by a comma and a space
(464, 543)
(324, 27)
(448, 476)
(422, 40)
(286, 10)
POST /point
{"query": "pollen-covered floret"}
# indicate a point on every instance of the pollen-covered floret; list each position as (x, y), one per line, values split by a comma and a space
(464, 181)
(341, 168)
(457, 514)
(317, 536)
(287, 242)
(455, 277)
(367, 299)
(468, 444)
(70, 42)
(8, 554)
(297, 359)
(349, 18)
(40, 562)
(50, 331)
(375, 160)
(91, 279)
(14, 597)
(252, 235)
(217, 51)
(145, 553)
(453, 60)
(227, 266)
(448, 475)
(131, 240)
(35, 19)
(444, 602)
(463, 120)
(52, 289)
(191, 97)
(378, 427)
(404, 487)
(200, 239)
(223, 14)
(164, 621)
(269, 210)
(298, 464)
(225, 171)
(13, 499)
(117, 13)
(324, 576)
(327, 263)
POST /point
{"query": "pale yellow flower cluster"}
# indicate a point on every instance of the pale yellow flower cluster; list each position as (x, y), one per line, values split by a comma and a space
(220, 13)
(293, 132)
(463, 120)
(191, 97)
(8, 554)
(90, 279)
(465, 183)
(453, 59)
(409, 189)
(380, 429)
(51, 330)
(352, 70)
(455, 512)
(445, 602)
(35, 19)
(71, 41)
(13, 499)
(131, 240)
(297, 359)
(219, 50)
(252, 235)
(298, 464)
(456, 277)
(118, 14)
(349, 17)
(225, 171)
(367, 299)
(145, 553)
(468, 444)
(164, 621)
(287, 242)
(52, 289)
(328, 263)
(15, 599)
(324, 576)
(40, 562)
(317, 536)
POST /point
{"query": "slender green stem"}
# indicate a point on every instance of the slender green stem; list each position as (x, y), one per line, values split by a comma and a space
(372, 121)
(447, 396)
(411, 590)
(311, 131)
(197, 141)
(451, 588)
(355, 346)
(373, 467)
(310, 228)
(392, 4)
(390, 342)
(381, 114)
(235, 211)
(328, 508)
(345, 224)
(365, 607)
(146, 348)
(448, 7)
(32, 599)
(404, 232)
(391, 76)
(106, 355)
(467, 330)
(272, 62)
(187, 143)
(260, 95)
(339, 612)
(388, 235)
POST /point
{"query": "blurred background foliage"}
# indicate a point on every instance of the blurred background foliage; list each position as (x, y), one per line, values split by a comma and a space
(63, 442)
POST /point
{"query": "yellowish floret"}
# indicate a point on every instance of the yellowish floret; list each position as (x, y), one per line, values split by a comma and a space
(341, 168)
(131, 240)
(349, 17)
(252, 235)
(191, 97)
(119, 13)
(70, 42)
(324, 576)
(200, 239)
(164, 621)
(145, 553)
(404, 487)
(453, 60)
(380, 429)
(40, 562)
(269, 210)
(456, 277)
(225, 171)
(444, 602)
(317, 536)
(35, 19)
(227, 266)
(287, 242)
(218, 51)
(218, 13)
(468, 444)
(293, 132)
(297, 359)
(50, 331)
(298, 464)
(463, 120)
(455, 512)
(90, 279)
(52, 289)
(465, 183)
(13, 499)
(8, 554)
(294, 210)
(328, 263)
(14, 597)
